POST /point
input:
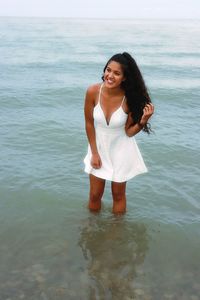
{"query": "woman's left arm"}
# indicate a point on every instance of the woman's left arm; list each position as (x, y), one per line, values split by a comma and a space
(132, 129)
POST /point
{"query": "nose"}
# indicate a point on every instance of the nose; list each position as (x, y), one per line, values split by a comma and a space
(110, 75)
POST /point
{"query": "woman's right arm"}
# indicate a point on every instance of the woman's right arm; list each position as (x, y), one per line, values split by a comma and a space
(89, 126)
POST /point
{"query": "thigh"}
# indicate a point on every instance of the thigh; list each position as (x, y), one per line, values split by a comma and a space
(97, 185)
(118, 188)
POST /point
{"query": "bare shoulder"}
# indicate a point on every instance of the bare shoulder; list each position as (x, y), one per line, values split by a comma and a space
(92, 94)
(93, 90)
(125, 107)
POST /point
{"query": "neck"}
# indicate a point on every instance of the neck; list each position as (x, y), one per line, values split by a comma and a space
(112, 91)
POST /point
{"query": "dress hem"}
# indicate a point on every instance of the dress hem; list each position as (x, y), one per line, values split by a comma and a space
(111, 179)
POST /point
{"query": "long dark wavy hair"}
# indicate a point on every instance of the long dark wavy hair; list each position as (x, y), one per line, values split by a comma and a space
(134, 86)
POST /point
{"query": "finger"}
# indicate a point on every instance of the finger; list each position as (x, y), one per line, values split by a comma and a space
(95, 167)
(151, 107)
(100, 163)
(148, 109)
(145, 110)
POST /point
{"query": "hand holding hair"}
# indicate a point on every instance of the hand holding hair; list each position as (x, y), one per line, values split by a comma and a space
(148, 111)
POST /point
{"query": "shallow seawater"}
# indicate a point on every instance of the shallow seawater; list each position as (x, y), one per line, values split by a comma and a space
(51, 246)
(55, 251)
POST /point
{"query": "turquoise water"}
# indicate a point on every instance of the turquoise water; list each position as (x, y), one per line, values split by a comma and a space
(51, 246)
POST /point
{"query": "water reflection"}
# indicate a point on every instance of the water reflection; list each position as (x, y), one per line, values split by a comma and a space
(114, 248)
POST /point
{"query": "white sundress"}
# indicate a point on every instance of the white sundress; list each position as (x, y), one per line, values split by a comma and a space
(120, 155)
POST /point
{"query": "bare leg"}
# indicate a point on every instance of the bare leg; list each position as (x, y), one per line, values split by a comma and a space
(119, 197)
(96, 192)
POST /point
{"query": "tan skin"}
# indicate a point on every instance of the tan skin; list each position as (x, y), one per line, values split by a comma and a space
(111, 99)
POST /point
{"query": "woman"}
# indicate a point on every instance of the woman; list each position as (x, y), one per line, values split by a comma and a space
(115, 111)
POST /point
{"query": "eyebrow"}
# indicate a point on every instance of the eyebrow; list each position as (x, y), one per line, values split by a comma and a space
(116, 71)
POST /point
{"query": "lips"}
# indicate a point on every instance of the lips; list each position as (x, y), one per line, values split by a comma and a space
(109, 81)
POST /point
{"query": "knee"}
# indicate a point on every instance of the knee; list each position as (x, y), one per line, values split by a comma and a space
(119, 203)
(95, 202)
(118, 196)
(95, 197)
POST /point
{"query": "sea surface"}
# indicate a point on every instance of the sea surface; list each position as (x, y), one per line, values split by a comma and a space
(51, 246)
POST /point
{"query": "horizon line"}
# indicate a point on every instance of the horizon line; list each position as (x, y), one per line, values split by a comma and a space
(104, 18)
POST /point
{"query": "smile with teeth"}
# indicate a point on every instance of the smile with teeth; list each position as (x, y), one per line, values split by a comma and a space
(110, 81)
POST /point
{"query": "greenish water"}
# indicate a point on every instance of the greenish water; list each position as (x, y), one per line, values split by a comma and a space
(51, 246)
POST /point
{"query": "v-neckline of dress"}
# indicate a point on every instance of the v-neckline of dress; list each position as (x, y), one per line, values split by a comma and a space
(99, 102)
(108, 121)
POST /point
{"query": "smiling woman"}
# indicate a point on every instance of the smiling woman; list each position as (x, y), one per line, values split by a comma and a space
(115, 111)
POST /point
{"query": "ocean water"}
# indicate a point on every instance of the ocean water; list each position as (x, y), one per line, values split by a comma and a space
(51, 246)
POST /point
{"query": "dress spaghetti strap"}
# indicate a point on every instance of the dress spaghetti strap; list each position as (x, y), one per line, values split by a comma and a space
(99, 98)
(123, 101)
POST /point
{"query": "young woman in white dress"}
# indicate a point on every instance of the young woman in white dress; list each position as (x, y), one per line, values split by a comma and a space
(115, 110)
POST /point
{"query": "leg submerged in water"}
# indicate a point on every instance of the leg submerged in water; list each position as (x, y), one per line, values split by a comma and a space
(119, 197)
(97, 186)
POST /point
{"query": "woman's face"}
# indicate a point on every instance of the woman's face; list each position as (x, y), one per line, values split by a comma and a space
(113, 75)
